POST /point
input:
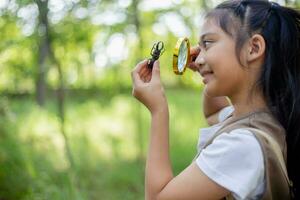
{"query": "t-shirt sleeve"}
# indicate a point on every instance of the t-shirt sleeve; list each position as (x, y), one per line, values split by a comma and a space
(234, 161)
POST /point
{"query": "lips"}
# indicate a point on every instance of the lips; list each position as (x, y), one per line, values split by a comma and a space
(205, 72)
(206, 75)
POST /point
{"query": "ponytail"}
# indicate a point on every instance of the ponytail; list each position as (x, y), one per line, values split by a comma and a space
(280, 80)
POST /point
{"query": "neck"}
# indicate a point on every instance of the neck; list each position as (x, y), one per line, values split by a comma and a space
(245, 103)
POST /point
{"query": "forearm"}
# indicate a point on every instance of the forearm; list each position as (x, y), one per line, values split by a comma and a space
(158, 165)
(212, 105)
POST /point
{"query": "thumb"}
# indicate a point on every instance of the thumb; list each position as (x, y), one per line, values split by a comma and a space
(156, 70)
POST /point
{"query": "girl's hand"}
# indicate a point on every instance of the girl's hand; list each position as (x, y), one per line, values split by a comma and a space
(147, 87)
(194, 52)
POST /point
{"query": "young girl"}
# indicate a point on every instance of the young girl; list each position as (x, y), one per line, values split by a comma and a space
(248, 52)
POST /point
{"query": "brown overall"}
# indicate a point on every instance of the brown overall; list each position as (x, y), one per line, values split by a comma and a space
(271, 137)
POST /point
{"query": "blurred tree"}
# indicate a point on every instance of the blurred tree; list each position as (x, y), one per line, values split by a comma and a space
(44, 50)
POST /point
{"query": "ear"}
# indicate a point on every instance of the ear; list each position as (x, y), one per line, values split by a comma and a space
(256, 48)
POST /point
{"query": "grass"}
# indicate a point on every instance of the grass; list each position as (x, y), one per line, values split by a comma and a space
(108, 137)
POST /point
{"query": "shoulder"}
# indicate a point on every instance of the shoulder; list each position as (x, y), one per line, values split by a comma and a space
(235, 161)
(235, 144)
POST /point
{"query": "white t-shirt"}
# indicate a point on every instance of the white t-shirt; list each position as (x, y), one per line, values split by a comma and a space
(234, 161)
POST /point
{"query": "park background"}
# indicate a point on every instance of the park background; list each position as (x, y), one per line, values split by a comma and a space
(69, 127)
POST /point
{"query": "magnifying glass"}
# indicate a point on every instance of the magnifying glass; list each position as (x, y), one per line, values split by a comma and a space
(181, 55)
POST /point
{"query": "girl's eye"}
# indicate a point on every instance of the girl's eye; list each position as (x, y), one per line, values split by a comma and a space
(206, 43)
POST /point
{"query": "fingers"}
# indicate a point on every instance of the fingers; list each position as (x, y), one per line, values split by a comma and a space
(144, 73)
(148, 76)
(135, 74)
(193, 66)
(194, 51)
(156, 70)
(141, 65)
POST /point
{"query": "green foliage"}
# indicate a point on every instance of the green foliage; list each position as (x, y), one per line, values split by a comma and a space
(76, 42)
(102, 133)
(12, 161)
(16, 58)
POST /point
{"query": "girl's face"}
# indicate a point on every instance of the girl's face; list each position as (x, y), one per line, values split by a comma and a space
(218, 64)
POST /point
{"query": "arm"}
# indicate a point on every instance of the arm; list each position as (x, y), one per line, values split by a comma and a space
(211, 105)
(160, 184)
(158, 166)
(147, 88)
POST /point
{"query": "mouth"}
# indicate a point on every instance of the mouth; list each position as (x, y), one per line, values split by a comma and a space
(206, 72)
(206, 75)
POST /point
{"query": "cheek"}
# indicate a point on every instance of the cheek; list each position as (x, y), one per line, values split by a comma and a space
(225, 63)
(227, 79)
(219, 59)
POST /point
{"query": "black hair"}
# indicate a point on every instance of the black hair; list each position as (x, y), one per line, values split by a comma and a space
(280, 75)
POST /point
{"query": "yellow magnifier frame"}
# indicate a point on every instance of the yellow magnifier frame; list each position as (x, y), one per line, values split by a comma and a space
(181, 55)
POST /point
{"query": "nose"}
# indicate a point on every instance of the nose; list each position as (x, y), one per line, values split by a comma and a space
(200, 60)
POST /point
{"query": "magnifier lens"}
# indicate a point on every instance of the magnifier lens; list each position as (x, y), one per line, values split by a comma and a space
(181, 56)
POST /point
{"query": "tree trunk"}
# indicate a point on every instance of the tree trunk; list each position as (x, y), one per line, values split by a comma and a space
(46, 55)
(60, 95)
(44, 51)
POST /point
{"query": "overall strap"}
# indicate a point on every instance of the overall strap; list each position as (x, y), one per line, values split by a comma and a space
(276, 148)
(273, 144)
